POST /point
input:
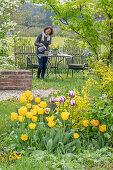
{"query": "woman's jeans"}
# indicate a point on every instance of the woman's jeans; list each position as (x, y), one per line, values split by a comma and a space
(42, 66)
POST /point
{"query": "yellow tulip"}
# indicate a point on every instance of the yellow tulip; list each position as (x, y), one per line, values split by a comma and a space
(35, 107)
(33, 111)
(32, 125)
(29, 115)
(51, 123)
(14, 116)
(28, 93)
(24, 137)
(34, 119)
(43, 104)
(85, 123)
(95, 123)
(22, 99)
(28, 105)
(64, 115)
(21, 118)
(50, 118)
(37, 99)
(30, 98)
(102, 128)
(76, 135)
(40, 111)
(22, 111)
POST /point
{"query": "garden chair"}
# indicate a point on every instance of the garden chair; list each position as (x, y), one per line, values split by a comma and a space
(32, 62)
(76, 63)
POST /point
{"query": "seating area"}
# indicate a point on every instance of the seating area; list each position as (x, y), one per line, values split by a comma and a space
(76, 63)
(32, 62)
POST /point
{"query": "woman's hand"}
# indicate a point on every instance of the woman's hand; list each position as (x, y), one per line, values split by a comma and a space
(41, 44)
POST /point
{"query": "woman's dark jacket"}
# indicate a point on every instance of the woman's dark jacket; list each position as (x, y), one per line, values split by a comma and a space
(45, 42)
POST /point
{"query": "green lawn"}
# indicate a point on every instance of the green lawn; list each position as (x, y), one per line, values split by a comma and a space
(60, 83)
(67, 83)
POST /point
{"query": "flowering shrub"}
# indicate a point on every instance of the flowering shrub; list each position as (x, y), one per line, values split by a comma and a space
(105, 75)
(7, 28)
(66, 128)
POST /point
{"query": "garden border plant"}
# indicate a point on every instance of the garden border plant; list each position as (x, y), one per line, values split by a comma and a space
(61, 125)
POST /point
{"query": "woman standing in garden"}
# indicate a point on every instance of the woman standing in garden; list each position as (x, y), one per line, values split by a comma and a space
(42, 42)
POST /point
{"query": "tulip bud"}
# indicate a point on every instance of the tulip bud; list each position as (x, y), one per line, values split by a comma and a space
(61, 99)
(71, 94)
(47, 110)
(72, 102)
(52, 100)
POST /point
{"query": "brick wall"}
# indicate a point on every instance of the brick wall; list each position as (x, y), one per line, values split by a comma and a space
(15, 80)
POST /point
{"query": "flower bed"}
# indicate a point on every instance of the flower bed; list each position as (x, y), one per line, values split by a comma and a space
(58, 125)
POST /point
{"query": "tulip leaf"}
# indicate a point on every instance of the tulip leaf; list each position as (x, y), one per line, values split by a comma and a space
(56, 138)
(49, 145)
(95, 143)
(107, 135)
(66, 137)
(112, 128)
(101, 141)
(59, 117)
(69, 145)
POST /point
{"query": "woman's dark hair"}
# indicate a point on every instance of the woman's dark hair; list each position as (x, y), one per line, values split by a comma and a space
(49, 27)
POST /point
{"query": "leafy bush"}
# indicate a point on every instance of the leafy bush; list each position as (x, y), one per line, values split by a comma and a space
(7, 29)
(105, 76)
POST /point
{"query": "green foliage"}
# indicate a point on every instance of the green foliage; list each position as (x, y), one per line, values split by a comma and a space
(89, 20)
(99, 159)
(7, 29)
(22, 41)
(101, 109)
(31, 15)
(5, 106)
(105, 76)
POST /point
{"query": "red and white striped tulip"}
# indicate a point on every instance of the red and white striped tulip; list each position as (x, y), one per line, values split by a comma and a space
(72, 102)
(52, 100)
(61, 99)
(71, 94)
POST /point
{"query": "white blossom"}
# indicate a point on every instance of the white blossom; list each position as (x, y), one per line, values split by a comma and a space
(1, 13)
(7, 27)
(2, 9)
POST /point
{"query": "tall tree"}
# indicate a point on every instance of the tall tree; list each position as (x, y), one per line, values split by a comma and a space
(104, 8)
(79, 16)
